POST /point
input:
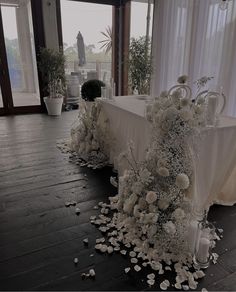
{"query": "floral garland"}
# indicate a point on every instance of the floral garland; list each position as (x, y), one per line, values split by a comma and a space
(90, 138)
(152, 211)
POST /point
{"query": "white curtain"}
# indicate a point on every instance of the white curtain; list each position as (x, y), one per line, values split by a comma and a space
(195, 38)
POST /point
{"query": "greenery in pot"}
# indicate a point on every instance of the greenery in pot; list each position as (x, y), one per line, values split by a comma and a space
(140, 65)
(51, 66)
(91, 89)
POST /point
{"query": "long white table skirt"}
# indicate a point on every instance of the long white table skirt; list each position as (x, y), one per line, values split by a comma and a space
(214, 162)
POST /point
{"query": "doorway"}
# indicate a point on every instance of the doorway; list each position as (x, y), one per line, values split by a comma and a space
(18, 67)
(87, 40)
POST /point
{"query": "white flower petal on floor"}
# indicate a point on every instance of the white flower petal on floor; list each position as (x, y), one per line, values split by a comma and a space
(110, 249)
(151, 282)
(127, 270)
(92, 273)
(137, 268)
(134, 260)
(151, 276)
(85, 241)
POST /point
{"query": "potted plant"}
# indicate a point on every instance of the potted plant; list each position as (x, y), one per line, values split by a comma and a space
(140, 65)
(51, 66)
(91, 89)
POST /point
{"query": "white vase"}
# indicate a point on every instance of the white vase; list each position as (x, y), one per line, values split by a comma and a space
(53, 105)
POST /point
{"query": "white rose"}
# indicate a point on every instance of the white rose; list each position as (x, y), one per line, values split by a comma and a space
(182, 181)
(171, 114)
(142, 203)
(137, 187)
(165, 126)
(161, 162)
(186, 115)
(199, 109)
(184, 102)
(163, 204)
(152, 231)
(169, 227)
(166, 103)
(150, 218)
(152, 208)
(178, 214)
(200, 100)
(136, 211)
(176, 95)
(151, 197)
(163, 171)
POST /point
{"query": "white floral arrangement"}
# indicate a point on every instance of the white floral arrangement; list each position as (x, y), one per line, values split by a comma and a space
(90, 138)
(152, 211)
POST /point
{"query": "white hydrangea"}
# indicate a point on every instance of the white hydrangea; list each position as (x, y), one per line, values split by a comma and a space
(182, 181)
(169, 227)
(184, 102)
(178, 214)
(201, 100)
(165, 125)
(163, 204)
(137, 187)
(163, 171)
(186, 115)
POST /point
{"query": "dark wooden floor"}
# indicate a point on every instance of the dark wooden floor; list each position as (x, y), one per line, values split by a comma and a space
(39, 236)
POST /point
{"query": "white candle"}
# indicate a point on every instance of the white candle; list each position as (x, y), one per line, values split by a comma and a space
(203, 250)
(192, 235)
(211, 109)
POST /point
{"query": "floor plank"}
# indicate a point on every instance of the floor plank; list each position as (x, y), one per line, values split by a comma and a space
(39, 236)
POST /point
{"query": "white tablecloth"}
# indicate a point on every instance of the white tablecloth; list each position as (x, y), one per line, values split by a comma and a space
(214, 162)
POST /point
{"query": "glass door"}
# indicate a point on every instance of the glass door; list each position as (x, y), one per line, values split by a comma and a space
(87, 35)
(19, 53)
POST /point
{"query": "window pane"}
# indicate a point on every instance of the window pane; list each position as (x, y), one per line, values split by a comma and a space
(86, 29)
(19, 41)
(140, 46)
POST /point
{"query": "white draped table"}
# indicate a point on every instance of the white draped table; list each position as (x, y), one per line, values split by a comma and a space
(214, 161)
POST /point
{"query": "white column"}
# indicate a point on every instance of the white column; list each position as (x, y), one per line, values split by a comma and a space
(50, 24)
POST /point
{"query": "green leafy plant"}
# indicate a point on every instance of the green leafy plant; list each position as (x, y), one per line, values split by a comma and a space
(91, 89)
(140, 65)
(51, 66)
(107, 42)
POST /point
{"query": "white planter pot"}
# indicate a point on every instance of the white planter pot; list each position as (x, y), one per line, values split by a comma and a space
(73, 86)
(53, 105)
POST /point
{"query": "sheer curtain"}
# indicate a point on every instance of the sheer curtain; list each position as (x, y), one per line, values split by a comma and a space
(195, 38)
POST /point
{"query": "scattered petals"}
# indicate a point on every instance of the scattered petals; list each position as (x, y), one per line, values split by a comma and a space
(127, 270)
(134, 260)
(92, 273)
(85, 241)
(137, 268)
(151, 282)
(151, 276)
